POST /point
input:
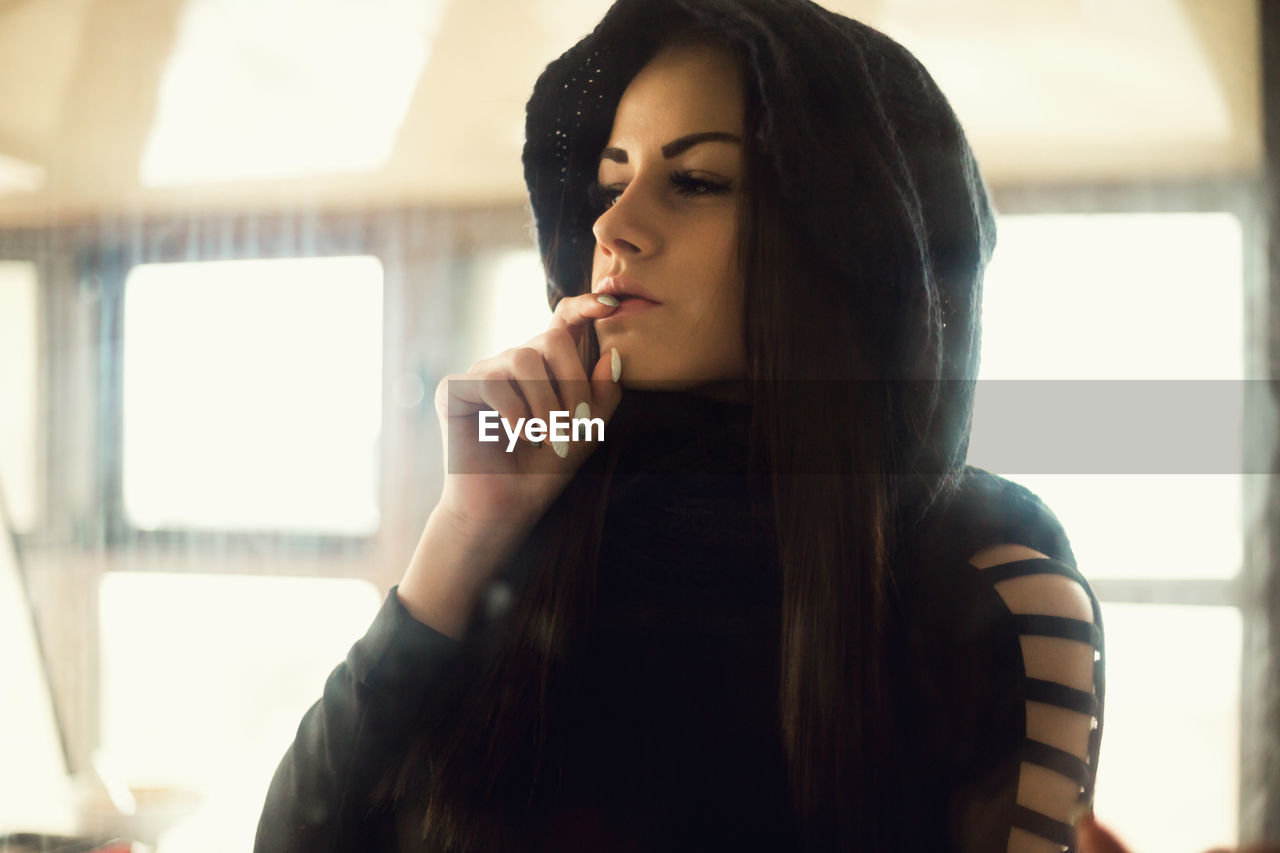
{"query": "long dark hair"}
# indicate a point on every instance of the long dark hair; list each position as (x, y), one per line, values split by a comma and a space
(819, 351)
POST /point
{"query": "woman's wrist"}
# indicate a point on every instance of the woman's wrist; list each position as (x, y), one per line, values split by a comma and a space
(453, 562)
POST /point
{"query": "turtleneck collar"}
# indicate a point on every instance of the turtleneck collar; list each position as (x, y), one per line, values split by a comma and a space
(672, 409)
(659, 431)
(688, 529)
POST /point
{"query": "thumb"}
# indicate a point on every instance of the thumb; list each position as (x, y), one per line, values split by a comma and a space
(606, 384)
(605, 396)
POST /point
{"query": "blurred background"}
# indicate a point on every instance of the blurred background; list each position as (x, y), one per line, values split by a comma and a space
(241, 242)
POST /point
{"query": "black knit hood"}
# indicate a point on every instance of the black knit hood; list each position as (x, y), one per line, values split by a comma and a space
(878, 180)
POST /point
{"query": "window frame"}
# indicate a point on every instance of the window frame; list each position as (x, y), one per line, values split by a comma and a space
(79, 537)
(1245, 198)
(112, 264)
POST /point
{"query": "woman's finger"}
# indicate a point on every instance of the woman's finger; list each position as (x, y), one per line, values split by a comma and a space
(465, 394)
(573, 313)
(534, 380)
(565, 365)
(602, 395)
(499, 394)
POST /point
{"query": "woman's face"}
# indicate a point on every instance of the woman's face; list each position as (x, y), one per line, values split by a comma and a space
(670, 177)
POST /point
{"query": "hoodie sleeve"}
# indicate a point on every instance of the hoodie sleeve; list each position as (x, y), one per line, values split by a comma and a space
(318, 798)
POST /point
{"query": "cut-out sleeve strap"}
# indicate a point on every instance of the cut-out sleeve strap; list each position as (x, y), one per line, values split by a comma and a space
(1044, 826)
(1049, 608)
(1053, 693)
(1059, 760)
(1059, 626)
(1036, 566)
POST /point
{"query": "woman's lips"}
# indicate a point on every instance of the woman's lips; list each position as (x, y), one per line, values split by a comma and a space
(631, 305)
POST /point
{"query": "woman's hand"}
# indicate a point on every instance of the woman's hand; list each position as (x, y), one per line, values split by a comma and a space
(1092, 837)
(485, 484)
(492, 498)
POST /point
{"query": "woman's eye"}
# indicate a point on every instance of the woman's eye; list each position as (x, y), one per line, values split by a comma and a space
(603, 197)
(690, 186)
(609, 196)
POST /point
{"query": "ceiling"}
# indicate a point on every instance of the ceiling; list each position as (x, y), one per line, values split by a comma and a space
(1049, 91)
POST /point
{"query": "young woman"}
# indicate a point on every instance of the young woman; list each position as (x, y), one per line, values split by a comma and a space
(773, 608)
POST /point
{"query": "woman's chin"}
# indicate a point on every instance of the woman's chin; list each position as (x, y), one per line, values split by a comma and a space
(642, 383)
(730, 390)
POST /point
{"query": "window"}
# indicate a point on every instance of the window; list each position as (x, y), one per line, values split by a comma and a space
(252, 395)
(1153, 299)
(508, 303)
(1170, 741)
(205, 679)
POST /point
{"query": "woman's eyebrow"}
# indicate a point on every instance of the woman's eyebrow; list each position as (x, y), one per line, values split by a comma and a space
(676, 147)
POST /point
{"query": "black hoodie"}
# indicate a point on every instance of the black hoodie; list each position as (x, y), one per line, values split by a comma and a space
(670, 741)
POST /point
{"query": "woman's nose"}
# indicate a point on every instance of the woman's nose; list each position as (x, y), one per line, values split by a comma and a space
(626, 229)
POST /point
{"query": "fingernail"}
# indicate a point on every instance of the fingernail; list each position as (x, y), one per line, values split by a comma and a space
(616, 365)
(560, 447)
(582, 412)
(606, 299)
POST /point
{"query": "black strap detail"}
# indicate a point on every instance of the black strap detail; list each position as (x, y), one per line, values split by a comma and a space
(1034, 566)
(1058, 760)
(1053, 693)
(1058, 626)
(1043, 825)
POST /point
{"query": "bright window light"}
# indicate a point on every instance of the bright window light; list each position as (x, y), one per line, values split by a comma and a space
(1171, 729)
(19, 176)
(508, 302)
(1112, 522)
(1115, 296)
(253, 395)
(1120, 297)
(261, 89)
(35, 794)
(205, 679)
